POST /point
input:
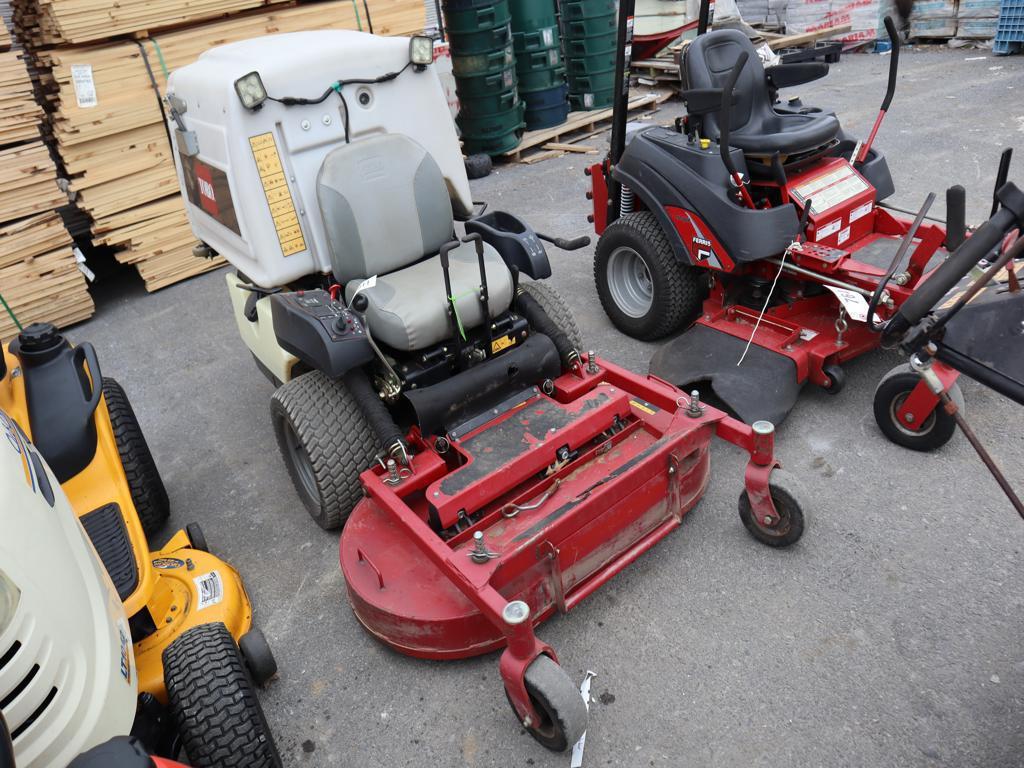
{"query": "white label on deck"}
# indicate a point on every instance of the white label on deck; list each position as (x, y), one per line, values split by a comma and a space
(209, 589)
(860, 211)
(85, 86)
(829, 229)
(855, 304)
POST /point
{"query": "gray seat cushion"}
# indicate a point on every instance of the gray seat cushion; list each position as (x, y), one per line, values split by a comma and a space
(385, 204)
(408, 309)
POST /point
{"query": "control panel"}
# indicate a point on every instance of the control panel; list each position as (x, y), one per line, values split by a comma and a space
(320, 331)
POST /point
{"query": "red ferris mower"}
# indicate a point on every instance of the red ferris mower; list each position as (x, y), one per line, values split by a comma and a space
(762, 223)
(432, 399)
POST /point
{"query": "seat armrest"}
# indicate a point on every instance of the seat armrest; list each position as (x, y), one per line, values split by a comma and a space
(787, 75)
(514, 240)
(703, 101)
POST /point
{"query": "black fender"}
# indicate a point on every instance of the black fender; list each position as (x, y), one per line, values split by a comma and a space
(658, 164)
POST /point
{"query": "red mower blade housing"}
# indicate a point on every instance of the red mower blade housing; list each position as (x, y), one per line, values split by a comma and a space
(543, 501)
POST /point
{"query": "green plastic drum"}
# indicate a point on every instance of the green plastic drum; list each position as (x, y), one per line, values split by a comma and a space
(495, 124)
(537, 40)
(484, 85)
(584, 102)
(573, 10)
(493, 145)
(541, 79)
(484, 41)
(474, 65)
(575, 47)
(482, 107)
(593, 81)
(496, 14)
(581, 28)
(530, 15)
(534, 61)
(579, 66)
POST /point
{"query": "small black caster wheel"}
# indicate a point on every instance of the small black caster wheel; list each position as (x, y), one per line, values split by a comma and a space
(558, 702)
(478, 166)
(196, 537)
(892, 392)
(786, 493)
(836, 379)
(259, 659)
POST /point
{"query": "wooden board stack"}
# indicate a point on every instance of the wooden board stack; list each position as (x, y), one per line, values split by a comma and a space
(39, 279)
(111, 136)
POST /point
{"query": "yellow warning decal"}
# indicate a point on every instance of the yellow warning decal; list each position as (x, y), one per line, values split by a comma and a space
(645, 407)
(279, 197)
(503, 343)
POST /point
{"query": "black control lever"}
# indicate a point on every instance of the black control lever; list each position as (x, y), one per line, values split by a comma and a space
(724, 119)
(566, 245)
(897, 259)
(1001, 177)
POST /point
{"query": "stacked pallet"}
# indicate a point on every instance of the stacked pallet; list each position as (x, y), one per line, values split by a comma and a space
(108, 125)
(39, 279)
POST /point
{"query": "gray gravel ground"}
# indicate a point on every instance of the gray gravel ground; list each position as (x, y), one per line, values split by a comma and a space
(890, 636)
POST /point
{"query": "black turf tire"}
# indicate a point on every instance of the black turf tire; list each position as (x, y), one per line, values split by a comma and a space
(147, 489)
(478, 166)
(938, 428)
(196, 537)
(678, 288)
(319, 416)
(213, 702)
(554, 307)
(557, 700)
(787, 493)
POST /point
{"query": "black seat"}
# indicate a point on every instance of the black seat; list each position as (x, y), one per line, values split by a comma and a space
(755, 127)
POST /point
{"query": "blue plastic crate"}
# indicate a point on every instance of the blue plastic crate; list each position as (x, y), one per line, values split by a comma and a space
(1010, 32)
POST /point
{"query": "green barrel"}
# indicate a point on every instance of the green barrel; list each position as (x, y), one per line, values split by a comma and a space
(492, 134)
(579, 66)
(530, 15)
(483, 41)
(575, 29)
(483, 107)
(573, 10)
(586, 101)
(539, 66)
(486, 84)
(490, 63)
(593, 82)
(494, 14)
(541, 79)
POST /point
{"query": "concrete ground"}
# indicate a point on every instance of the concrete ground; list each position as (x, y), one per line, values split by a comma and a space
(889, 636)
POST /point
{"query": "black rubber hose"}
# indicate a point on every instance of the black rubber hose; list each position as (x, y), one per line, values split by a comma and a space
(374, 410)
(948, 274)
(538, 319)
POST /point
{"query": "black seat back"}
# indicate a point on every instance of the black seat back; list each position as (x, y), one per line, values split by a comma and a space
(707, 63)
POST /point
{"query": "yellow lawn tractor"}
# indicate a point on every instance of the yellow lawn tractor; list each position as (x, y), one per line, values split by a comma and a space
(196, 652)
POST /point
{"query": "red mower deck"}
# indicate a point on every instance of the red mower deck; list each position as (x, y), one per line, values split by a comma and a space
(542, 503)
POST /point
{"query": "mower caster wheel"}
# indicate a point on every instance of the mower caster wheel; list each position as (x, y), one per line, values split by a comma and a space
(213, 702)
(892, 392)
(786, 493)
(836, 379)
(259, 659)
(196, 537)
(558, 702)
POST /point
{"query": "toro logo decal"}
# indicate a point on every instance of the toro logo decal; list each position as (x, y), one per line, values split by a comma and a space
(204, 181)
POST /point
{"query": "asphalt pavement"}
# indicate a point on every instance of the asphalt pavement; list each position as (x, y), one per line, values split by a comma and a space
(891, 635)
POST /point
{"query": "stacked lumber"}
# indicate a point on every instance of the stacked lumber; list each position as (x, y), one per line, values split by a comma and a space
(39, 278)
(20, 116)
(111, 137)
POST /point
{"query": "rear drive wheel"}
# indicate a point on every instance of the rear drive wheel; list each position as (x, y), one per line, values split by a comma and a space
(892, 391)
(213, 702)
(557, 700)
(786, 492)
(147, 489)
(554, 307)
(326, 443)
(643, 288)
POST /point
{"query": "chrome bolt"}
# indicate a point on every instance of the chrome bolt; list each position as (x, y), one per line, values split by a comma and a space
(305, 125)
(762, 427)
(480, 553)
(768, 520)
(592, 362)
(326, 119)
(694, 410)
(515, 612)
(393, 477)
(909, 418)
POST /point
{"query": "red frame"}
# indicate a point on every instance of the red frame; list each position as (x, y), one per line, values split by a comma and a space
(804, 331)
(922, 401)
(423, 595)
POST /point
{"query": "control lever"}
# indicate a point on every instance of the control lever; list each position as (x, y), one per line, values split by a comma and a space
(566, 245)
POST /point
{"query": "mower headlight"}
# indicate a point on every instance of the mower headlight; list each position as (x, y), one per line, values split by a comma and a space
(250, 90)
(421, 50)
(9, 597)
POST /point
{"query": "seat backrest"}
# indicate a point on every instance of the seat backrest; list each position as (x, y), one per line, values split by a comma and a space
(384, 204)
(707, 63)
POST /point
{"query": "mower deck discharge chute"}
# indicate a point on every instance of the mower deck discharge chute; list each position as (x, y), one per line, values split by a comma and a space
(759, 223)
(433, 400)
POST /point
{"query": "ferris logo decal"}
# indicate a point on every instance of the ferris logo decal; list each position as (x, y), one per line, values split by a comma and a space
(204, 182)
(703, 247)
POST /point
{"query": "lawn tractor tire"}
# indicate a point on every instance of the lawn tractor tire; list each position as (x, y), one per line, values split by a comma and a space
(558, 702)
(147, 488)
(326, 443)
(787, 495)
(259, 659)
(213, 702)
(644, 289)
(937, 430)
(557, 310)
